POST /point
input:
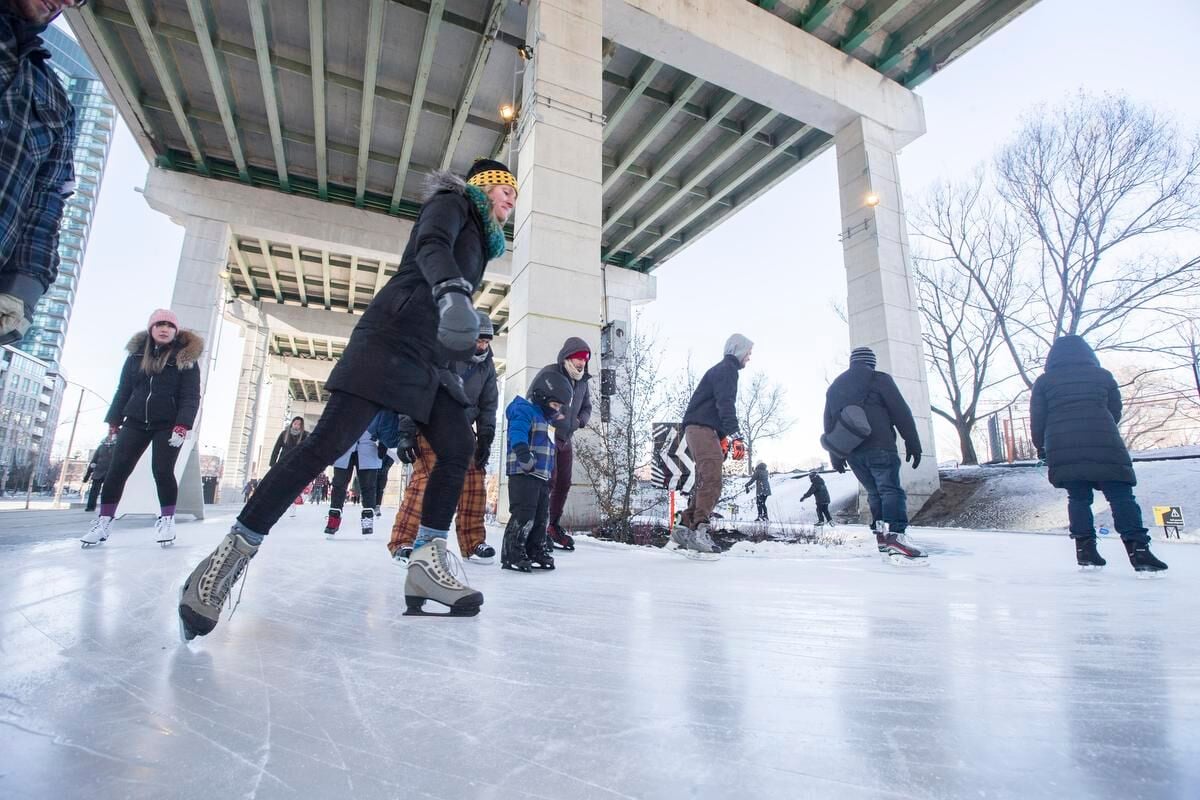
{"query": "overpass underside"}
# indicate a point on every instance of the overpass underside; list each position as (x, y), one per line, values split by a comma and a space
(293, 140)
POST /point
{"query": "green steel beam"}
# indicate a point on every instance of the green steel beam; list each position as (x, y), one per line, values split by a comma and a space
(168, 79)
(768, 5)
(370, 75)
(316, 49)
(686, 143)
(869, 20)
(218, 79)
(424, 65)
(649, 132)
(649, 69)
(299, 267)
(712, 159)
(974, 28)
(925, 27)
(474, 76)
(266, 75)
(735, 178)
(819, 13)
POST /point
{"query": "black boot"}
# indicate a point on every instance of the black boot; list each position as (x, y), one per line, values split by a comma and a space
(512, 551)
(1086, 554)
(538, 548)
(1142, 559)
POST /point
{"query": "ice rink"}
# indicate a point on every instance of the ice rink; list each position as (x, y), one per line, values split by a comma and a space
(1000, 671)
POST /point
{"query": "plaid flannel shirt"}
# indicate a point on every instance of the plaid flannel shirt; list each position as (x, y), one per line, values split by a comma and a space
(37, 173)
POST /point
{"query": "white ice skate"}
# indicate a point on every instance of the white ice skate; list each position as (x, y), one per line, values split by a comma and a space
(430, 578)
(688, 544)
(98, 533)
(164, 531)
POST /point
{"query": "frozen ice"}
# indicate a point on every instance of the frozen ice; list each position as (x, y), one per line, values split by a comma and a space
(1001, 671)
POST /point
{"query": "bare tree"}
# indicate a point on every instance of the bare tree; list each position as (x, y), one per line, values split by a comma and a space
(973, 242)
(614, 453)
(1157, 411)
(762, 412)
(678, 393)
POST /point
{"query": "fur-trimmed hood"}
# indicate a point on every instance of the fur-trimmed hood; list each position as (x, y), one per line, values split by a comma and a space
(188, 345)
(443, 180)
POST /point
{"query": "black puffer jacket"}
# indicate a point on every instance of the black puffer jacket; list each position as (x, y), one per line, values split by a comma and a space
(581, 403)
(479, 383)
(393, 355)
(286, 443)
(98, 467)
(714, 403)
(165, 400)
(817, 491)
(1074, 412)
(884, 405)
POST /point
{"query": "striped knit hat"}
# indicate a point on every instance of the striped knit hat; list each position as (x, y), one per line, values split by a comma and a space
(863, 355)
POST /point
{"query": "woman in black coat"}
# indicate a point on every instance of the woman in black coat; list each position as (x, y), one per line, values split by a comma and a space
(1074, 411)
(155, 406)
(397, 358)
(288, 440)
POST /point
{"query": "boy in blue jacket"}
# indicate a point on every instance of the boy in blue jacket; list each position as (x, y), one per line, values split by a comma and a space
(530, 465)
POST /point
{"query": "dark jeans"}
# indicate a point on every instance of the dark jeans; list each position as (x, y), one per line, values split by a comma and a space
(367, 484)
(131, 443)
(823, 513)
(761, 500)
(93, 494)
(345, 417)
(560, 479)
(1127, 514)
(878, 470)
(529, 499)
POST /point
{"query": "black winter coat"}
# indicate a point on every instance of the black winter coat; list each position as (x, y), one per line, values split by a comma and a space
(885, 407)
(714, 403)
(393, 356)
(479, 383)
(580, 412)
(1074, 412)
(165, 400)
(817, 491)
(286, 443)
(761, 480)
(98, 466)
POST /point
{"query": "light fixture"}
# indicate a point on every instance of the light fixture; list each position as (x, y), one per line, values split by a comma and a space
(872, 199)
(507, 112)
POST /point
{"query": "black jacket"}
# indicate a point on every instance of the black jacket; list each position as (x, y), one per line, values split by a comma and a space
(393, 355)
(285, 443)
(581, 401)
(883, 403)
(479, 383)
(98, 466)
(714, 403)
(761, 480)
(1074, 412)
(165, 400)
(818, 492)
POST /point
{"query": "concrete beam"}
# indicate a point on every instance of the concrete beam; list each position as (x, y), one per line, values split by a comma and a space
(761, 57)
(292, 319)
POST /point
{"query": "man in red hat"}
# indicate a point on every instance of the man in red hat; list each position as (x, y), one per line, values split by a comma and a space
(573, 363)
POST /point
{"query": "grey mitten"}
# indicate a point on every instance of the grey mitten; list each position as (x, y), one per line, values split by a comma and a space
(458, 324)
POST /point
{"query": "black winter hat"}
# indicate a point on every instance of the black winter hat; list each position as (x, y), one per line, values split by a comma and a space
(487, 171)
(863, 355)
(549, 386)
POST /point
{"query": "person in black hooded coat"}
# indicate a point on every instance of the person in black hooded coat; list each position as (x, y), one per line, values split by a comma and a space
(1074, 412)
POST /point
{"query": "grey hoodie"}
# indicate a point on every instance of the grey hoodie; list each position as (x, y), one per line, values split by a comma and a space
(581, 405)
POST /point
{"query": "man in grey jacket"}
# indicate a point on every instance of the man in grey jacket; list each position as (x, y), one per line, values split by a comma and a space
(572, 362)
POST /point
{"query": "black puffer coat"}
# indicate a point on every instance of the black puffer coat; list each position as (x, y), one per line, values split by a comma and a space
(761, 480)
(286, 443)
(817, 490)
(1074, 412)
(393, 355)
(714, 403)
(479, 384)
(885, 407)
(165, 400)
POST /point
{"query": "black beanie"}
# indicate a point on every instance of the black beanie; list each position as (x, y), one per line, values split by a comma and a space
(863, 355)
(500, 172)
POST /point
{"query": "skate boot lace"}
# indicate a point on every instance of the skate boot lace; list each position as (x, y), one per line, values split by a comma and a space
(233, 566)
(447, 568)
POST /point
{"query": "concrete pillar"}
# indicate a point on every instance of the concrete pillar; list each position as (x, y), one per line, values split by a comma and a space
(556, 288)
(239, 456)
(881, 297)
(197, 300)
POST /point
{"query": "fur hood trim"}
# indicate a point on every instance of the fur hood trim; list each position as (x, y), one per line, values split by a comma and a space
(188, 347)
(444, 180)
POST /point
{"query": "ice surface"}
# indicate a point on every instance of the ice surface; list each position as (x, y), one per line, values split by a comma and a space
(999, 672)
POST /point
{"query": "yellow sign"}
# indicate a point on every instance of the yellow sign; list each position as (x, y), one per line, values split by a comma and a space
(1168, 516)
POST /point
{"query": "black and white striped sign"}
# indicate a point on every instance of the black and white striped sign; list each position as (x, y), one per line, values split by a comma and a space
(673, 467)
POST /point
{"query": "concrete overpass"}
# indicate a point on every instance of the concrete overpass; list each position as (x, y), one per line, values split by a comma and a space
(292, 138)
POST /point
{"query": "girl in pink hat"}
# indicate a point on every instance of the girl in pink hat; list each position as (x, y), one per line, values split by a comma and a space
(155, 406)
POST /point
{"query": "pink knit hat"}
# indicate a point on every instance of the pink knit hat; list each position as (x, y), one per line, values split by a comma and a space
(163, 315)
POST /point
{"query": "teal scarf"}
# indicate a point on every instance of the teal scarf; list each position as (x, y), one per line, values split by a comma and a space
(495, 234)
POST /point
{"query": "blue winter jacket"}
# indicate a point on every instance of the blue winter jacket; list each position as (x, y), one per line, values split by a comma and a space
(528, 425)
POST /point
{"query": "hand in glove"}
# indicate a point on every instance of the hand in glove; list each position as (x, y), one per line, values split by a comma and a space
(914, 456)
(12, 319)
(406, 448)
(1041, 455)
(178, 436)
(381, 450)
(525, 459)
(458, 324)
(483, 450)
(839, 466)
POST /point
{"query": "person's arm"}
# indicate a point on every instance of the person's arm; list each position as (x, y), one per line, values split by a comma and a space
(1037, 416)
(188, 398)
(811, 491)
(520, 421)
(116, 411)
(725, 395)
(489, 401)
(585, 409)
(442, 220)
(1114, 399)
(899, 412)
(278, 448)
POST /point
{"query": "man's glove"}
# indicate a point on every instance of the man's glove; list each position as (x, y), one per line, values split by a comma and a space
(381, 450)
(483, 450)
(458, 324)
(525, 459)
(406, 448)
(914, 456)
(178, 436)
(13, 323)
(839, 466)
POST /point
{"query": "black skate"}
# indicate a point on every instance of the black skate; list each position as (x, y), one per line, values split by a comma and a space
(1143, 560)
(368, 521)
(560, 538)
(513, 553)
(334, 522)
(539, 552)
(1086, 554)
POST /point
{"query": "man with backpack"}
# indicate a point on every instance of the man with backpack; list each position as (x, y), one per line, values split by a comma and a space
(864, 411)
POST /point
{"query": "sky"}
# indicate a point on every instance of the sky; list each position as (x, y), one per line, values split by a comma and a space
(772, 272)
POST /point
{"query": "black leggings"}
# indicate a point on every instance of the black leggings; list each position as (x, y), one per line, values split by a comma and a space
(762, 505)
(345, 417)
(366, 484)
(131, 443)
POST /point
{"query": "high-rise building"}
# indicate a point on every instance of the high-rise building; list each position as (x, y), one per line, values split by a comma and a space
(95, 122)
(23, 389)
